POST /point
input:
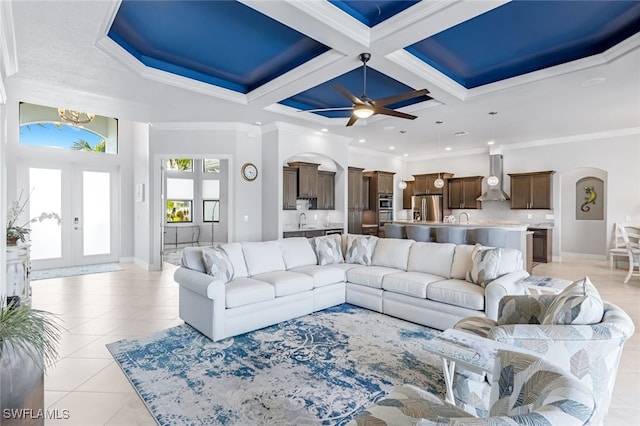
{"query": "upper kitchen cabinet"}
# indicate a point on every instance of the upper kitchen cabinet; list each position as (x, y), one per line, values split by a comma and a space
(407, 193)
(326, 191)
(532, 190)
(290, 188)
(307, 179)
(424, 183)
(464, 191)
(380, 182)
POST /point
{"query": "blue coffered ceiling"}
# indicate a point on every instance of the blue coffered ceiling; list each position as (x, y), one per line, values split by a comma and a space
(231, 45)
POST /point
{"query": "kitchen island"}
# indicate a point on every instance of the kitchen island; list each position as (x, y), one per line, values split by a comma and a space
(488, 233)
(312, 230)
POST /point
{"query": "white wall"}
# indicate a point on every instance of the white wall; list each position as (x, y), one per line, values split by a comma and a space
(141, 209)
(3, 203)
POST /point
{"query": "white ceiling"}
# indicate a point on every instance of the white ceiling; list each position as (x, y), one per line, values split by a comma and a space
(64, 59)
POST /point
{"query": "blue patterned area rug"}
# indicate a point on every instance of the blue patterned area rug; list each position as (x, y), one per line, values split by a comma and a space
(45, 274)
(322, 368)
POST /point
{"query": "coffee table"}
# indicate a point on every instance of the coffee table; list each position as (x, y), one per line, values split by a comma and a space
(539, 285)
(474, 353)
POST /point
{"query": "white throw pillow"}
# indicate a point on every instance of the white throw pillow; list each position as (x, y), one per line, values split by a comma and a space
(392, 253)
(328, 249)
(217, 264)
(578, 304)
(234, 251)
(360, 249)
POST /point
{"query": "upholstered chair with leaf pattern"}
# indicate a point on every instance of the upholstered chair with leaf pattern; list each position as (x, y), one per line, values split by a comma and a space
(574, 330)
(525, 390)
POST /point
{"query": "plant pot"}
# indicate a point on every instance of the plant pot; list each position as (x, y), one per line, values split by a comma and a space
(12, 241)
(22, 389)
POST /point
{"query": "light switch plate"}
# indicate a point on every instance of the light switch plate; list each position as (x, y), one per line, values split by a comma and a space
(529, 216)
(627, 218)
(549, 217)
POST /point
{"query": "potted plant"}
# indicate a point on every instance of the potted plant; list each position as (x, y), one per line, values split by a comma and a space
(17, 230)
(29, 340)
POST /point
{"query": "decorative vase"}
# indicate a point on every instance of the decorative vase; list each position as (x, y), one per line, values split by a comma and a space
(12, 241)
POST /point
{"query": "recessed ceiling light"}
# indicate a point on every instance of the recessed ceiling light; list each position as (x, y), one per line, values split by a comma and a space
(491, 142)
(593, 82)
(448, 148)
(362, 140)
(325, 129)
(258, 123)
(389, 127)
(405, 155)
(392, 147)
(462, 133)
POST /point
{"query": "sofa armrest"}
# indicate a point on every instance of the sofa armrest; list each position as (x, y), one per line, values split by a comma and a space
(500, 287)
(200, 283)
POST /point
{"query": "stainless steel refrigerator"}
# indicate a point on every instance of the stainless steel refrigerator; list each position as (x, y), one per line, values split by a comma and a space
(427, 208)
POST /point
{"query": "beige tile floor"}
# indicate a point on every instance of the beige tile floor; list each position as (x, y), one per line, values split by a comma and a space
(102, 308)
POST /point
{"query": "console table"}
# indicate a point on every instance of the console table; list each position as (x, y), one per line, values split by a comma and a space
(18, 267)
(183, 234)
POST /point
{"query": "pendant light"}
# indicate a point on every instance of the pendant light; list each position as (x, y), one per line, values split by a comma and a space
(493, 180)
(438, 183)
(402, 184)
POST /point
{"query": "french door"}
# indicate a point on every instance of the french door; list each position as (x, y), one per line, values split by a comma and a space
(85, 199)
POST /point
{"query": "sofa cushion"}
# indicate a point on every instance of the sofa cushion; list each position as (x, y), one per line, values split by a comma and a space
(492, 263)
(217, 264)
(579, 303)
(322, 275)
(360, 249)
(286, 282)
(245, 291)
(370, 276)
(462, 261)
(297, 252)
(392, 253)
(234, 251)
(263, 257)
(328, 249)
(458, 293)
(192, 259)
(431, 258)
(409, 283)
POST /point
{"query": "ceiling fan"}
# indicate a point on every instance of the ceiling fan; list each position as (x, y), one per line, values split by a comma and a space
(364, 107)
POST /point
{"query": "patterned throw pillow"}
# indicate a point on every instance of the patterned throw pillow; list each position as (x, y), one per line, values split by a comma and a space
(360, 249)
(328, 249)
(217, 264)
(492, 263)
(578, 304)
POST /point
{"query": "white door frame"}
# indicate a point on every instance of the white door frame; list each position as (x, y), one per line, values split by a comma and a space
(71, 182)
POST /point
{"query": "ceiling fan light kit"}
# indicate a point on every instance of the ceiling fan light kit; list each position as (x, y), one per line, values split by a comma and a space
(365, 107)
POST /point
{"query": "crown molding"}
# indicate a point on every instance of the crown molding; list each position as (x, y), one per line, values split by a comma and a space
(608, 134)
(371, 152)
(303, 131)
(185, 125)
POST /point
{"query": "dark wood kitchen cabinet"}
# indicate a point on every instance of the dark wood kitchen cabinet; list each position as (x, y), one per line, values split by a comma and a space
(379, 183)
(464, 191)
(354, 200)
(307, 179)
(542, 244)
(407, 193)
(326, 191)
(532, 190)
(290, 188)
(424, 183)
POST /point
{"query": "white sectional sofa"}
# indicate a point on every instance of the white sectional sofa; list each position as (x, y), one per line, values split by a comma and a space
(251, 285)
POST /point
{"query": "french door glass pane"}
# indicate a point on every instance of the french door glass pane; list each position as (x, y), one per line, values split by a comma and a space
(46, 197)
(96, 207)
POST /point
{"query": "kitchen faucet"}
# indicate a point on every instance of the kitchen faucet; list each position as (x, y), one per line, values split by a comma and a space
(301, 223)
(460, 217)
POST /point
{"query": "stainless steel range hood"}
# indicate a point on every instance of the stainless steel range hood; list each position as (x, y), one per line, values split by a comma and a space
(495, 192)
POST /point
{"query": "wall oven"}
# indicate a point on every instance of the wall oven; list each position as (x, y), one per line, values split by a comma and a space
(384, 216)
(385, 201)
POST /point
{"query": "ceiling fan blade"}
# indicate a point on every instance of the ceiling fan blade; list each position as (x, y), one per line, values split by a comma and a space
(327, 109)
(394, 113)
(402, 97)
(352, 120)
(354, 99)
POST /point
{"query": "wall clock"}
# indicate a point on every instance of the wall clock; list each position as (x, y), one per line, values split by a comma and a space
(249, 171)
